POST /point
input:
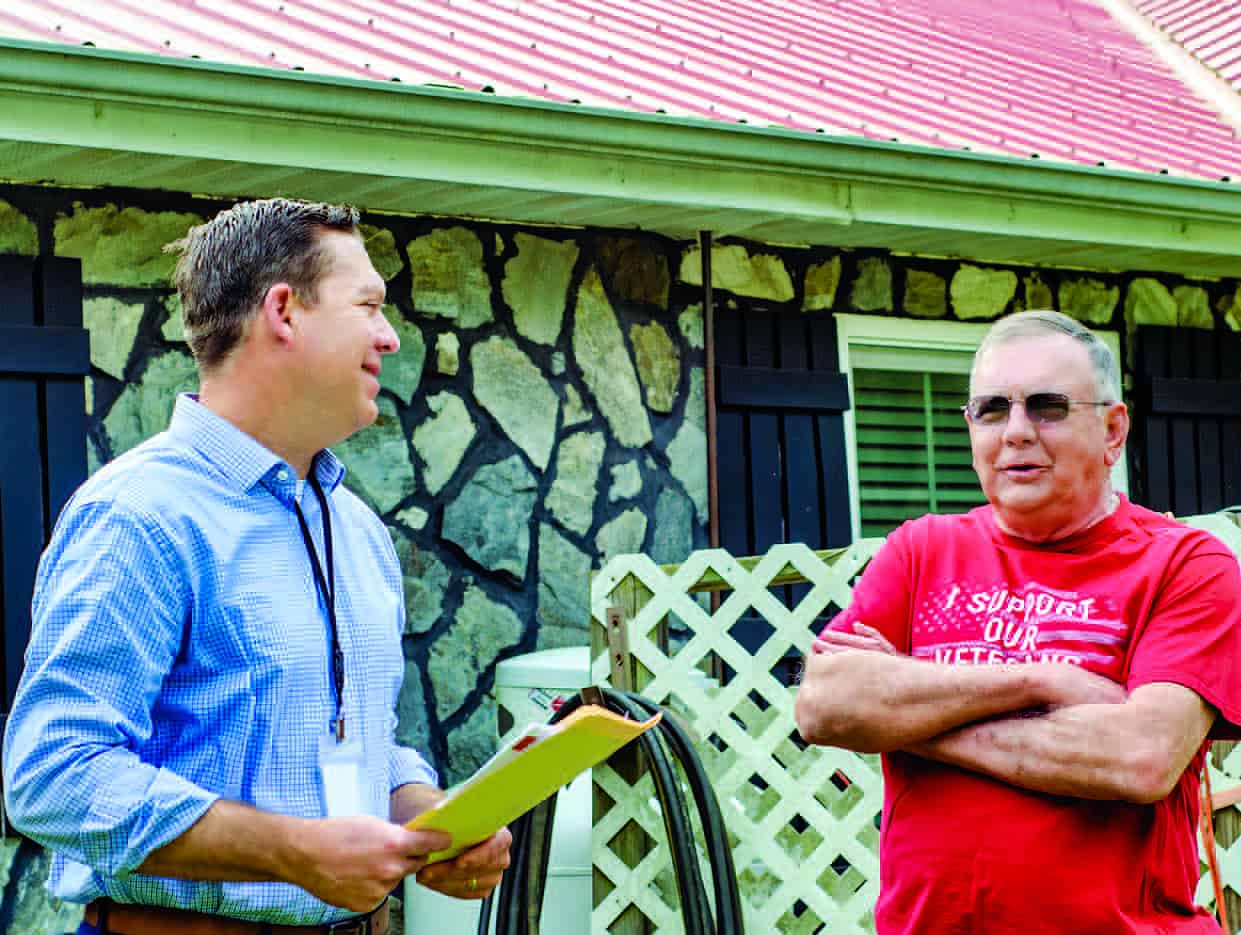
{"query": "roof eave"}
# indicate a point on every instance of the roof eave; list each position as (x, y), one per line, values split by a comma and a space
(82, 117)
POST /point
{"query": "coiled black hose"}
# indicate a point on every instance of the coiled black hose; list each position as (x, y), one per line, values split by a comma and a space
(519, 899)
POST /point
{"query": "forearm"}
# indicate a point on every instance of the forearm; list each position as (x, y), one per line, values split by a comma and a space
(96, 804)
(1134, 752)
(1043, 754)
(231, 842)
(409, 801)
(874, 702)
(351, 862)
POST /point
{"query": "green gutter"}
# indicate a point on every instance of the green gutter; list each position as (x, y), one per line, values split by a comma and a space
(233, 130)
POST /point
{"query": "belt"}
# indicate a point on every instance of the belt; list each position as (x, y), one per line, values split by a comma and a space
(131, 919)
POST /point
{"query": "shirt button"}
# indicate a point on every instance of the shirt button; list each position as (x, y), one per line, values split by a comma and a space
(282, 474)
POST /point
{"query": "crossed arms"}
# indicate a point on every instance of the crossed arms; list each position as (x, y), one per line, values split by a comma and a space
(1090, 738)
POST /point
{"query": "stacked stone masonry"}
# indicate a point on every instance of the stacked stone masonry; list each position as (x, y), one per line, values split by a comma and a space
(545, 412)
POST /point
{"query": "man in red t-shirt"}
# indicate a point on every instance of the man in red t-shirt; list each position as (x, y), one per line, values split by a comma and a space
(1040, 674)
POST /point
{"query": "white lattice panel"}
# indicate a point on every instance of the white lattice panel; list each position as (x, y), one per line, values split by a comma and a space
(803, 818)
(1226, 528)
(1229, 856)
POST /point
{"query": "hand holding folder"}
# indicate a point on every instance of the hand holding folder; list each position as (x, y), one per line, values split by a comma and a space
(532, 766)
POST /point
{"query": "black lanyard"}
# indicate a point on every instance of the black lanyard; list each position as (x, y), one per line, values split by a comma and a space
(327, 586)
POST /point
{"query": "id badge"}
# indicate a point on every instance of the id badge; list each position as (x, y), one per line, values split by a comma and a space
(341, 770)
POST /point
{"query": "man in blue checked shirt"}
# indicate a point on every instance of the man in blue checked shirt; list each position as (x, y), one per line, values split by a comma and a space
(204, 731)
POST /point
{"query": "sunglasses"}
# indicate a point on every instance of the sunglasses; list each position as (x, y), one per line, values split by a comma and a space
(1041, 408)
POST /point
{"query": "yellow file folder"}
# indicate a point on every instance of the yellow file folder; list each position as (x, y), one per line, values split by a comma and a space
(532, 766)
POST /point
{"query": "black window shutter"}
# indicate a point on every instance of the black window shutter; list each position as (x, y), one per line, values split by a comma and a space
(780, 432)
(781, 463)
(1186, 442)
(44, 356)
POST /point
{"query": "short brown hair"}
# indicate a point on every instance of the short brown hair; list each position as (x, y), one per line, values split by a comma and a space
(228, 264)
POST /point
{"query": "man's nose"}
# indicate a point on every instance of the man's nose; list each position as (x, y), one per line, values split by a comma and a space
(1018, 427)
(386, 341)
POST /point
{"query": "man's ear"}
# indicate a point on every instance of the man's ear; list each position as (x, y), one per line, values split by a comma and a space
(1116, 422)
(276, 313)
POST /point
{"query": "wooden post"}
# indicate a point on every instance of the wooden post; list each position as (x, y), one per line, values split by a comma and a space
(632, 844)
(1227, 830)
(1228, 820)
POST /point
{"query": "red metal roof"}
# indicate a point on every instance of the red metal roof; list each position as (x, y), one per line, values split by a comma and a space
(1057, 78)
(1210, 29)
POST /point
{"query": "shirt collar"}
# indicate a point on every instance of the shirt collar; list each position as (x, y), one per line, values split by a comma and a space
(239, 456)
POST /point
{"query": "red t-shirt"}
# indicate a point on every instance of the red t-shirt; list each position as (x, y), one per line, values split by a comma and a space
(1138, 598)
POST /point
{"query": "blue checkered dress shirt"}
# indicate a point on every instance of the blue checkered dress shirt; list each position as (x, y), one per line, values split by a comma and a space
(180, 654)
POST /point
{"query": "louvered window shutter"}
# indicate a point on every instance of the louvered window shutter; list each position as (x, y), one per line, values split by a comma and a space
(913, 448)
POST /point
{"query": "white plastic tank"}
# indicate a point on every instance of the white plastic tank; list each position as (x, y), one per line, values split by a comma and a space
(529, 688)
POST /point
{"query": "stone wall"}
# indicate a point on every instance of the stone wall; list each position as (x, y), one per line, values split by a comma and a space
(546, 410)
(544, 413)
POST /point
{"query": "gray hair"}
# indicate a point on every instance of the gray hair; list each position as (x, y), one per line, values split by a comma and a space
(1038, 323)
(227, 265)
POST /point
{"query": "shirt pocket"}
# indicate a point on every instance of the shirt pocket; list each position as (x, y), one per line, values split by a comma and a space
(266, 632)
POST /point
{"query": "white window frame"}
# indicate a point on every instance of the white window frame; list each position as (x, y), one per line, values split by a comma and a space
(876, 342)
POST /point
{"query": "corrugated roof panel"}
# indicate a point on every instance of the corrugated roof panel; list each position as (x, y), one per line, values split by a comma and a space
(1057, 78)
(1209, 29)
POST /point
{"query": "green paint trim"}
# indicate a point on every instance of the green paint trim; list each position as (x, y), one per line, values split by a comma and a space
(928, 424)
(232, 130)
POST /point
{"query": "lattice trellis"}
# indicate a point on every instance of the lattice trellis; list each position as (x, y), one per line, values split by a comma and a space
(804, 820)
(805, 850)
(1228, 841)
(1225, 762)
